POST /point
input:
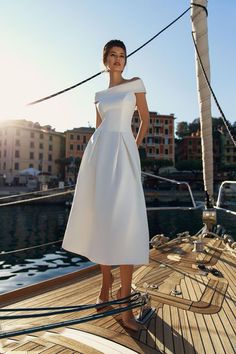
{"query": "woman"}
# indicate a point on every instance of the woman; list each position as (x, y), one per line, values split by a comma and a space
(108, 220)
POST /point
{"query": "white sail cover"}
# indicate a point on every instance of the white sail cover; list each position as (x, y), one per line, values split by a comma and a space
(199, 27)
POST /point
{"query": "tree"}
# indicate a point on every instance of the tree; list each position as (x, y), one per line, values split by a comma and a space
(182, 129)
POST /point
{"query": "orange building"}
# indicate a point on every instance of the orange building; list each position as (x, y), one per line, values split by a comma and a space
(76, 141)
(159, 142)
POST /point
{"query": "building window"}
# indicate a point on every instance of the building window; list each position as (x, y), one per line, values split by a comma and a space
(41, 146)
(50, 137)
(82, 147)
(228, 150)
(50, 148)
(84, 139)
(136, 120)
(49, 168)
(144, 140)
(32, 144)
(71, 146)
(31, 155)
(40, 156)
(150, 130)
(16, 165)
(17, 153)
(78, 147)
(71, 137)
(166, 151)
(32, 134)
(150, 151)
(49, 157)
(41, 136)
(166, 141)
(40, 167)
(31, 165)
(166, 121)
(157, 151)
(150, 120)
(166, 131)
(137, 129)
(170, 141)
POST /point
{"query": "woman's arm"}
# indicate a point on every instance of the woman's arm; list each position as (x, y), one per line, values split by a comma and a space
(142, 107)
(98, 118)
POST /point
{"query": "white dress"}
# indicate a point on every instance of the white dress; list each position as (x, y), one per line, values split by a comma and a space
(108, 219)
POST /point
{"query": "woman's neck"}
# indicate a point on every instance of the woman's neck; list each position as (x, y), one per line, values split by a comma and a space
(115, 79)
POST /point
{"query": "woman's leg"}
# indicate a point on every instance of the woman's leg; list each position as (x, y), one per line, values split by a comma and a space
(107, 280)
(126, 272)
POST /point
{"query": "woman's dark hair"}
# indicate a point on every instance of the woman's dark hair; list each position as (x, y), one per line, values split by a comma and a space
(109, 45)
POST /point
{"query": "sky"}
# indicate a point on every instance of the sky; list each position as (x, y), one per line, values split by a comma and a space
(48, 45)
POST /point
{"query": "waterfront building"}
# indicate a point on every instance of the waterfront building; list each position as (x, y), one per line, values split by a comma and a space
(76, 142)
(24, 144)
(159, 141)
(189, 148)
(224, 151)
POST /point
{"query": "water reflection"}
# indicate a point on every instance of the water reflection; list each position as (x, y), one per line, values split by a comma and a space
(28, 226)
(31, 225)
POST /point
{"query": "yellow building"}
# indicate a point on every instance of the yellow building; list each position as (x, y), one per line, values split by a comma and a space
(24, 144)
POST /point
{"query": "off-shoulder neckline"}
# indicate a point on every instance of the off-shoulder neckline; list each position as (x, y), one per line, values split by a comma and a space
(125, 83)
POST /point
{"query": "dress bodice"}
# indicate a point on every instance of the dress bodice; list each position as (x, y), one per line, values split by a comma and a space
(116, 105)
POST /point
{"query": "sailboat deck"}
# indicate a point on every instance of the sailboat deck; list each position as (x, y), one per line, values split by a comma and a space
(198, 318)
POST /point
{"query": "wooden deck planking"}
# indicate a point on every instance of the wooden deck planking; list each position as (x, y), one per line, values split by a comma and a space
(176, 330)
(172, 330)
(187, 336)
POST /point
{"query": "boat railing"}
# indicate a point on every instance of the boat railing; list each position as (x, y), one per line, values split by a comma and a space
(227, 197)
(172, 181)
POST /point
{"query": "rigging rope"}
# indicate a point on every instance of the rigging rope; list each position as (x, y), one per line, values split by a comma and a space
(131, 299)
(95, 75)
(135, 304)
(36, 198)
(34, 193)
(212, 92)
(3, 253)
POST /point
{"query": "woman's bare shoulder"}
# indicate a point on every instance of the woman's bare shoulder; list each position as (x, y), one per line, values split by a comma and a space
(135, 78)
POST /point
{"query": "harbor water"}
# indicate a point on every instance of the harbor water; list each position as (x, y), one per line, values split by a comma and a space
(32, 225)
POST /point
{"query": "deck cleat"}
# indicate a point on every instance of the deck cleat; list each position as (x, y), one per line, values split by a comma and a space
(146, 311)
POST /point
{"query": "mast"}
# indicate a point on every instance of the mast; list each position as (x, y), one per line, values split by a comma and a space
(200, 34)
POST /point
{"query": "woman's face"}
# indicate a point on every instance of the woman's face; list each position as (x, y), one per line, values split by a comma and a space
(116, 59)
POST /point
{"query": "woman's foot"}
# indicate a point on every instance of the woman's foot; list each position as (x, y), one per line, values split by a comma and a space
(127, 317)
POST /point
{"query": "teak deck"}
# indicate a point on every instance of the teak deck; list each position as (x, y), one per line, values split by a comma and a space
(200, 319)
